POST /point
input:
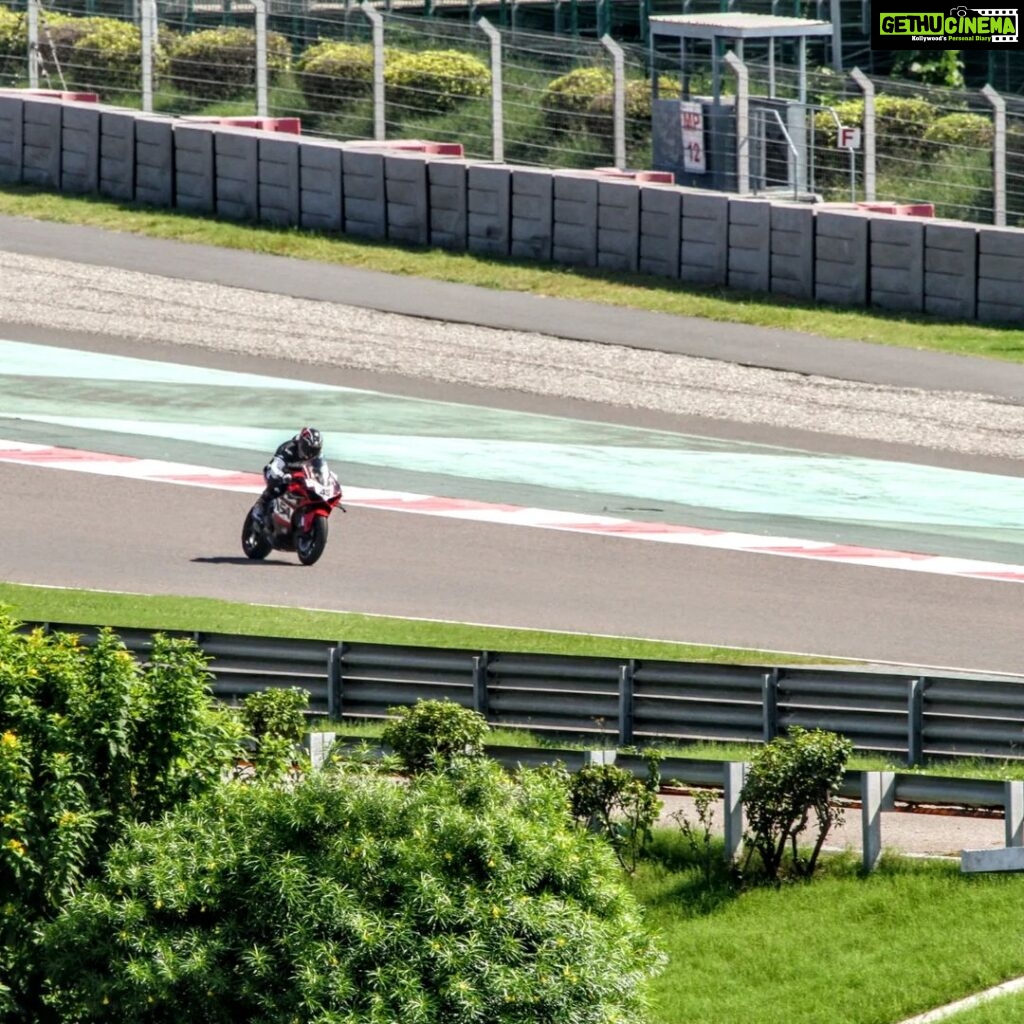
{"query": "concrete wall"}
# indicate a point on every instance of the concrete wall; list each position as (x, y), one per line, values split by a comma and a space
(194, 176)
(117, 154)
(950, 270)
(365, 199)
(792, 250)
(749, 244)
(841, 257)
(278, 156)
(447, 186)
(897, 263)
(80, 148)
(1000, 274)
(154, 161)
(660, 213)
(405, 185)
(321, 195)
(574, 222)
(488, 209)
(41, 146)
(704, 237)
(532, 211)
(11, 130)
(236, 161)
(618, 225)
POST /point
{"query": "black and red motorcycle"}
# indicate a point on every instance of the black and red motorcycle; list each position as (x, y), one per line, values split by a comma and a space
(297, 517)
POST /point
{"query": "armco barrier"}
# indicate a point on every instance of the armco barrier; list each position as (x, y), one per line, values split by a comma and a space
(624, 701)
(835, 253)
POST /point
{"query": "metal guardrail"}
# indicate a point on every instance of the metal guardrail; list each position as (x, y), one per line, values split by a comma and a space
(907, 717)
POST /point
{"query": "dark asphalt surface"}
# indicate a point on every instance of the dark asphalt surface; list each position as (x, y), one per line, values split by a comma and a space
(81, 530)
(751, 346)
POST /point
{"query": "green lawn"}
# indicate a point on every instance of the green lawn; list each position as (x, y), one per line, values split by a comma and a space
(634, 291)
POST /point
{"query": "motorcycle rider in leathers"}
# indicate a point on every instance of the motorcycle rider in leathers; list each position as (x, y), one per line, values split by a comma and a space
(307, 444)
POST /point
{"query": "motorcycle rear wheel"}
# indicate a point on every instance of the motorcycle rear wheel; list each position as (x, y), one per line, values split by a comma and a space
(254, 541)
(310, 546)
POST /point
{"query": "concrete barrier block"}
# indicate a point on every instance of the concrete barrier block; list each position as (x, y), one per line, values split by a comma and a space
(574, 223)
(841, 257)
(236, 154)
(488, 209)
(749, 244)
(792, 250)
(41, 148)
(618, 225)
(80, 148)
(405, 186)
(1000, 274)
(659, 231)
(704, 237)
(447, 185)
(117, 154)
(195, 187)
(11, 131)
(897, 263)
(154, 161)
(365, 200)
(321, 206)
(278, 178)
(532, 213)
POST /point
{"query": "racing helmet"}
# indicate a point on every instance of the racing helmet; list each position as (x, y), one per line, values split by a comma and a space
(309, 443)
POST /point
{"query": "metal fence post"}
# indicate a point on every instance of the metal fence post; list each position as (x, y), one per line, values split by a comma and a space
(867, 87)
(770, 705)
(262, 103)
(1013, 812)
(480, 683)
(742, 123)
(877, 790)
(33, 44)
(618, 99)
(378, 69)
(334, 681)
(148, 28)
(915, 721)
(998, 156)
(626, 704)
(734, 818)
(497, 99)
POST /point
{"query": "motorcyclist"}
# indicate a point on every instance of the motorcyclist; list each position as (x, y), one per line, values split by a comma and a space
(307, 444)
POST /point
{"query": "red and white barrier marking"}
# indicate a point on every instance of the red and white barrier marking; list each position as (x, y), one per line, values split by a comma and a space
(512, 515)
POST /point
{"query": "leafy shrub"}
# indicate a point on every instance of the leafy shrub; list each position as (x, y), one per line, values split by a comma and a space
(331, 71)
(108, 56)
(276, 722)
(970, 131)
(220, 63)
(90, 743)
(463, 896)
(13, 41)
(790, 779)
(930, 67)
(638, 103)
(613, 802)
(566, 101)
(435, 81)
(433, 732)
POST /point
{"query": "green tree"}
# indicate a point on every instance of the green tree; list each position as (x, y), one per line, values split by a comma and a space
(460, 896)
(790, 779)
(89, 742)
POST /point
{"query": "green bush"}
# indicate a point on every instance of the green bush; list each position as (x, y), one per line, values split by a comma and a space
(434, 81)
(276, 722)
(331, 72)
(91, 742)
(462, 897)
(220, 63)
(638, 103)
(969, 131)
(108, 56)
(929, 67)
(790, 779)
(433, 732)
(566, 101)
(13, 42)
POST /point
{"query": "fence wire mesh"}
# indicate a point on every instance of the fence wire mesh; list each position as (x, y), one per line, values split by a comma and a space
(932, 145)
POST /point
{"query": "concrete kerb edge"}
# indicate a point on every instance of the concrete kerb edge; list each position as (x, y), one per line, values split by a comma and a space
(950, 1009)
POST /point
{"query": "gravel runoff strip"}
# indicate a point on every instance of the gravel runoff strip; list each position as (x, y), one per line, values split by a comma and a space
(72, 296)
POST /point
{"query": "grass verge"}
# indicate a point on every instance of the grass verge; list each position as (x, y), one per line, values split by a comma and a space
(845, 947)
(143, 611)
(628, 290)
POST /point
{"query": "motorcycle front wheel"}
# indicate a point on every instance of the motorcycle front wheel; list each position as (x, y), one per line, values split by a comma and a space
(309, 546)
(254, 541)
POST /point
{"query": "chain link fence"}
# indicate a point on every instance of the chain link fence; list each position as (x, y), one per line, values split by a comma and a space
(562, 102)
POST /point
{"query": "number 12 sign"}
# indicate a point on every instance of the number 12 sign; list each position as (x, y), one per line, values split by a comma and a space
(691, 116)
